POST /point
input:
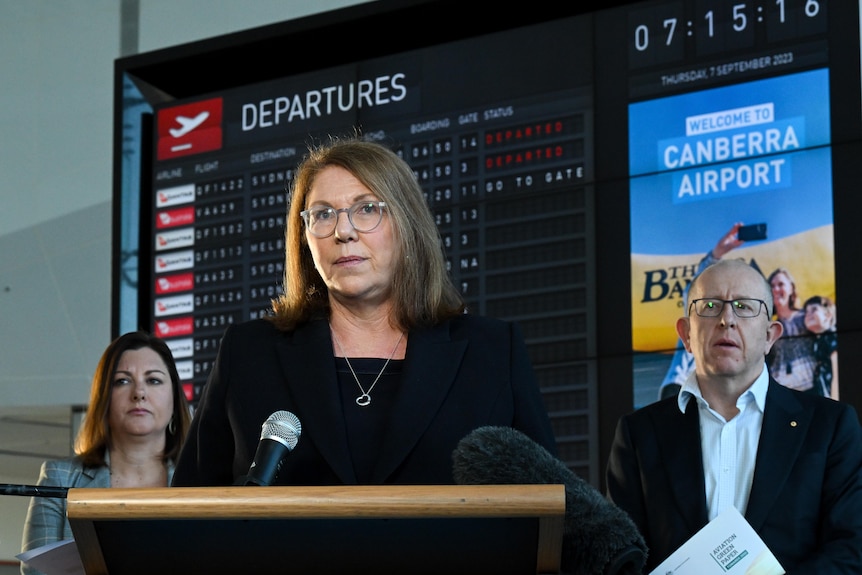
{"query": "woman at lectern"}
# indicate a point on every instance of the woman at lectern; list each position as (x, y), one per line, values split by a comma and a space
(136, 422)
(369, 346)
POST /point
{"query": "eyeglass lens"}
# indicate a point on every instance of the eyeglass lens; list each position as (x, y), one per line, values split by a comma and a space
(743, 307)
(363, 216)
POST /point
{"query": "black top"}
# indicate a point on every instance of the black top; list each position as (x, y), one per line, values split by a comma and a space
(366, 425)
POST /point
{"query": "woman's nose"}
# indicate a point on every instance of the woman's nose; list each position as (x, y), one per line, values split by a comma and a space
(344, 230)
(140, 393)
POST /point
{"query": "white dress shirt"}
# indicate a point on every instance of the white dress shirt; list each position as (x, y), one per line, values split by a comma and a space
(729, 448)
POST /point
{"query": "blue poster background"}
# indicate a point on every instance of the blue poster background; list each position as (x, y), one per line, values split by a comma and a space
(664, 224)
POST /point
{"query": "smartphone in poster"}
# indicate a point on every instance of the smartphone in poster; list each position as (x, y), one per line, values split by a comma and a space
(705, 164)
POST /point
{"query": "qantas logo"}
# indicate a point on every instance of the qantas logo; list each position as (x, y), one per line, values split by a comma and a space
(175, 261)
(181, 348)
(176, 195)
(186, 371)
(174, 305)
(175, 239)
(189, 129)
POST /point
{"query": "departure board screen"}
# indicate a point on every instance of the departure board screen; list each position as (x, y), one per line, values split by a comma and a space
(504, 165)
(580, 165)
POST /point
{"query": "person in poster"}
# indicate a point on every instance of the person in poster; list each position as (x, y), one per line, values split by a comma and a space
(821, 320)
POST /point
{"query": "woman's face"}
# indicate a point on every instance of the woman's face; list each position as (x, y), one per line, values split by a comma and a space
(142, 400)
(357, 267)
(782, 290)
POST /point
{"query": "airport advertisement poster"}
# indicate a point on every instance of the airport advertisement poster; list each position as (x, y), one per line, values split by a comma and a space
(701, 162)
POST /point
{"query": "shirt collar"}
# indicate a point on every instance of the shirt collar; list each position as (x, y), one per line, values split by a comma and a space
(757, 390)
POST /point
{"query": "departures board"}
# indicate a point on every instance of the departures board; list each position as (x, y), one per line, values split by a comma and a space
(504, 166)
(578, 167)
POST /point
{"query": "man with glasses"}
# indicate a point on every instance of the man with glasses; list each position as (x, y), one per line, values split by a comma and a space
(791, 463)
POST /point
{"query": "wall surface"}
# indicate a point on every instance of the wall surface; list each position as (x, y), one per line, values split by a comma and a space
(57, 65)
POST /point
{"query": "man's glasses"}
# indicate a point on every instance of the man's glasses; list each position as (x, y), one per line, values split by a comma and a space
(363, 216)
(711, 307)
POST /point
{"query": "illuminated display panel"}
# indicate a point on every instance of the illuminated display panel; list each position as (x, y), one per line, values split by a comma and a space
(741, 135)
(547, 149)
(504, 165)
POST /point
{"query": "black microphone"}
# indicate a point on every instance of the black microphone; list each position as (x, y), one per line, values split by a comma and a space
(278, 436)
(33, 490)
(598, 536)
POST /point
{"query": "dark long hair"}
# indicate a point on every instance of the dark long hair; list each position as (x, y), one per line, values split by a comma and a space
(94, 437)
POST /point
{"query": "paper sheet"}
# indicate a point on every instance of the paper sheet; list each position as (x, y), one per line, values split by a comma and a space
(727, 544)
(58, 558)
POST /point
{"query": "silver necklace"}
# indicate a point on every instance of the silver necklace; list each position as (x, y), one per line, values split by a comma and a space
(364, 399)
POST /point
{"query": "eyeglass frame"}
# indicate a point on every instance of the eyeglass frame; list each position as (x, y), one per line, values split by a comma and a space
(304, 214)
(725, 302)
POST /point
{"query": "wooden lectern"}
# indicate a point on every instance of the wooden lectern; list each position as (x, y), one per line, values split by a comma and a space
(380, 529)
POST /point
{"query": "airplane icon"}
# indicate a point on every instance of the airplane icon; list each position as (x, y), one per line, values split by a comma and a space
(188, 124)
(189, 129)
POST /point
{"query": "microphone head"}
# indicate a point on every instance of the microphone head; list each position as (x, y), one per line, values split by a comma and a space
(505, 456)
(598, 536)
(278, 436)
(282, 426)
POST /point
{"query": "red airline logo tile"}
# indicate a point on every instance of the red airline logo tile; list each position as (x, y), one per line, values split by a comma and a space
(175, 327)
(174, 283)
(178, 217)
(189, 129)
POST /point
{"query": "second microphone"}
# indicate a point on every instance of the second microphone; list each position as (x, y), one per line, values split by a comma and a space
(279, 436)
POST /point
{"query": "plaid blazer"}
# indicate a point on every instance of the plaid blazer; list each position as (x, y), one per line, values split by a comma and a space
(46, 520)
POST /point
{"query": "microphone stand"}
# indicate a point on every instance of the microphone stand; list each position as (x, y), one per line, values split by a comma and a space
(33, 490)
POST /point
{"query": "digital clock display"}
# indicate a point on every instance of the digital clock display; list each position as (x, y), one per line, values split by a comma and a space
(675, 32)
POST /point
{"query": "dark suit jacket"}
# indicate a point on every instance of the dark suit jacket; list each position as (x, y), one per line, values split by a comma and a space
(806, 495)
(468, 372)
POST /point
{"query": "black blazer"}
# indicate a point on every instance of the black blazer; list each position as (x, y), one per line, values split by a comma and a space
(468, 372)
(806, 494)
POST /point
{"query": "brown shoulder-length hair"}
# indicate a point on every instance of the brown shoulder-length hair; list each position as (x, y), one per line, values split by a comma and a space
(94, 436)
(423, 292)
